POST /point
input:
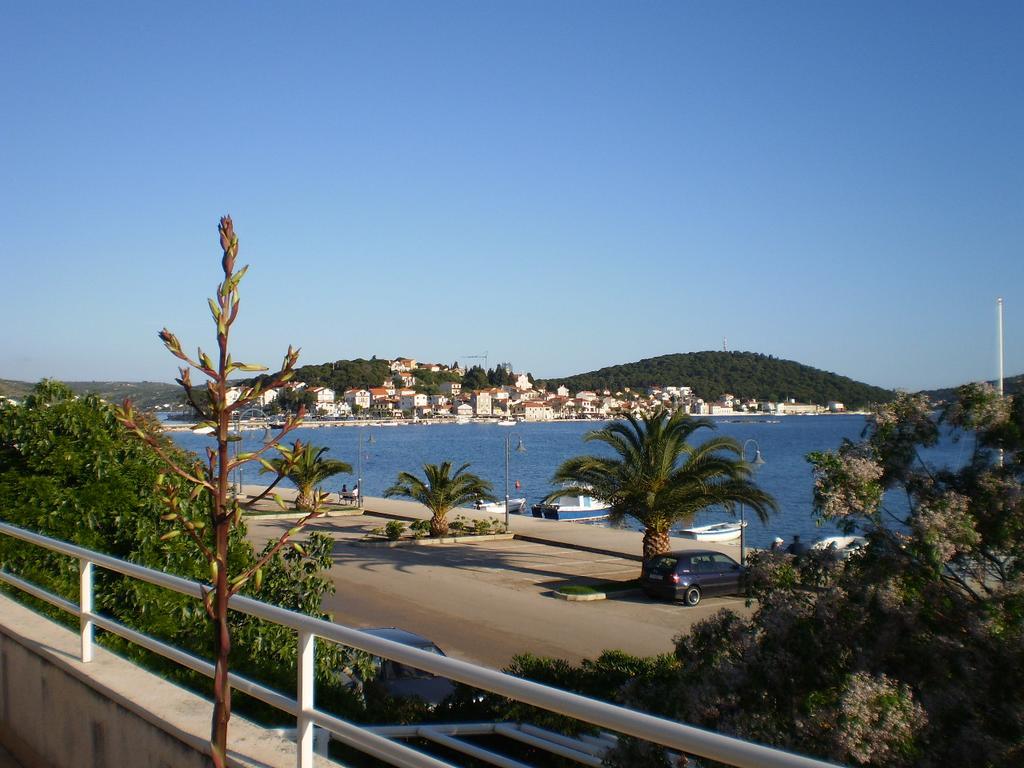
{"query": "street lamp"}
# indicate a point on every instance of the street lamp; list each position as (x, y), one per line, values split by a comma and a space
(757, 462)
(359, 468)
(520, 448)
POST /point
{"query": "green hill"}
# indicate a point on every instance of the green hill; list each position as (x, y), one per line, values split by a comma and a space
(1012, 385)
(145, 394)
(743, 374)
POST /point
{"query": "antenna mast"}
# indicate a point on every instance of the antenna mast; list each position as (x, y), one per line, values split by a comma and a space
(999, 318)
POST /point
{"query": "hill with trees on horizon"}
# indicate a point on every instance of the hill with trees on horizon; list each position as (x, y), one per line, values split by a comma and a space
(1012, 385)
(146, 395)
(709, 374)
(742, 374)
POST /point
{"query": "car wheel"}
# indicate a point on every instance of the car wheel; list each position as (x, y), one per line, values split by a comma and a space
(692, 596)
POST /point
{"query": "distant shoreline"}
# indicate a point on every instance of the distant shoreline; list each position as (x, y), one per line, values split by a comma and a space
(174, 426)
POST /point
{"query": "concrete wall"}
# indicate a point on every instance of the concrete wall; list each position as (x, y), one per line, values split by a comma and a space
(56, 712)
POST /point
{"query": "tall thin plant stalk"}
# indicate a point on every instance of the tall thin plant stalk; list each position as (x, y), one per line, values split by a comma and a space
(210, 481)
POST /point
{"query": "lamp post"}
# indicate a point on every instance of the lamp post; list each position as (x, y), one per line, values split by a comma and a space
(358, 471)
(757, 462)
(520, 448)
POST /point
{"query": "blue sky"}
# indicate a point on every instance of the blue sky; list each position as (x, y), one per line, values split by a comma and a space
(563, 185)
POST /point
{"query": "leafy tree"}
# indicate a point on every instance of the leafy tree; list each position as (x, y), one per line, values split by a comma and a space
(658, 478)
(292, 400)
(440, 491)
(910, 653)
(211, 529)
(71, 471)
(475, 378)
(305, 466)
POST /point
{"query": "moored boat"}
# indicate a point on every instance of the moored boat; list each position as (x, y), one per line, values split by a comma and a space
(573, 508)
(714, 532)
(498, 507)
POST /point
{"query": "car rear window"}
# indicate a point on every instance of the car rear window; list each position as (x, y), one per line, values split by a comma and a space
(663, 564)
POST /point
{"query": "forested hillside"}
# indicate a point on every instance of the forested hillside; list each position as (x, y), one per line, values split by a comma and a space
(145, 394)
(1012, 385)
(743, 374)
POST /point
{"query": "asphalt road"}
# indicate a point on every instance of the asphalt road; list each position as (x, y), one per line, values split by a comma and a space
(486, 602)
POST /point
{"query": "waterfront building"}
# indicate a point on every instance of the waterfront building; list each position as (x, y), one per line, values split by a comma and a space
(412, 401)
(533, 410)
(360, 397)
(481, 402)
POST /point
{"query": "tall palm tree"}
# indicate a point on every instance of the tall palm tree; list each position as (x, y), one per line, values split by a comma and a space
(305, 466)
(658, 478)
(440, 491)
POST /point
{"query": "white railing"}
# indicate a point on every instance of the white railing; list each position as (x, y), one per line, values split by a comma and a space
(379, 741)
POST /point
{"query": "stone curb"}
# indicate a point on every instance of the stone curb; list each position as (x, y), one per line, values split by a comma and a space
(427, 542)
(598, 595)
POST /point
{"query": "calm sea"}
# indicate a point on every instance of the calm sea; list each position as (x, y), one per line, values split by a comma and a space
(784, 443)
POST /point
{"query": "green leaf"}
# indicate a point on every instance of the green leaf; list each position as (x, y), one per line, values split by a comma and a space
(170, 535)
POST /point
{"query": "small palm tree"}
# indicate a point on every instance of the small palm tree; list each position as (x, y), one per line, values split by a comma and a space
(658, 478)
(440, 491)
(305, 466)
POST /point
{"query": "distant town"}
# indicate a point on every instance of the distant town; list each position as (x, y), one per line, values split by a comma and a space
(401, 396)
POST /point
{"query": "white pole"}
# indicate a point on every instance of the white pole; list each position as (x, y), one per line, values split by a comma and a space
(85, 607)
(507, 438)
(999, 314)
(304, 724)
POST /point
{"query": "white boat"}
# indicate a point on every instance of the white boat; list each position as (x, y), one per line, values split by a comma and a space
(498, 507)
(844, 545)
(714, 532)
(576, 508)
(506, 423)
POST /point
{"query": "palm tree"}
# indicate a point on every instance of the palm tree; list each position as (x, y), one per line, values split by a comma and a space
(305, 466)
(660, 479)
(439, 492)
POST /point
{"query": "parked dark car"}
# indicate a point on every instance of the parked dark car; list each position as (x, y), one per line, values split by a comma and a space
(691, 575)
(403, 681)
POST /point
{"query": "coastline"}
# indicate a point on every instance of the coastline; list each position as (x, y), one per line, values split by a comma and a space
(253, 424)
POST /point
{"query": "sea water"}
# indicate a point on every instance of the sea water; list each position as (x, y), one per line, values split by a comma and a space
(784, 443)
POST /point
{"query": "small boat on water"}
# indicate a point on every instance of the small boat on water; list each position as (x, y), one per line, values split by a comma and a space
(572, 508)
(714, 532)
(506, 423)
(498, 507)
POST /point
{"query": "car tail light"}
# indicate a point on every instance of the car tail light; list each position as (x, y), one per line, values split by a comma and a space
(675, 578)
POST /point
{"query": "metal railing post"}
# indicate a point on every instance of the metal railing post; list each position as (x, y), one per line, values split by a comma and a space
(85, 607)
(304, 700)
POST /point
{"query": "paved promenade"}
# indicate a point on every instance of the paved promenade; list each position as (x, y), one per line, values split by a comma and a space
(487, 601)
(594, 538)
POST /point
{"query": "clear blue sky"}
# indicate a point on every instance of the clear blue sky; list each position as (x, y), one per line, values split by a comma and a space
(564, 185)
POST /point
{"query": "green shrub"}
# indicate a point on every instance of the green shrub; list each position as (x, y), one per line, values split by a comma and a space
(394, 530)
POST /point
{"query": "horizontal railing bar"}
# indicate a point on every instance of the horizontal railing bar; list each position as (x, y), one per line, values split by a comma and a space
(471, 749)
(38, 592)
(196, 664)
(451, 729)
(368, 742)
(512, 732)
(685, 738)
(161, 579)
(565, 741)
